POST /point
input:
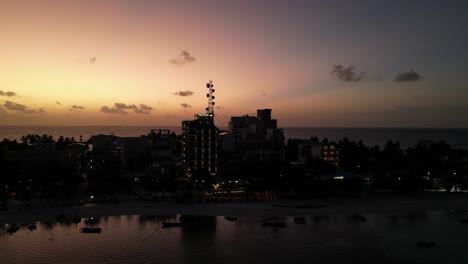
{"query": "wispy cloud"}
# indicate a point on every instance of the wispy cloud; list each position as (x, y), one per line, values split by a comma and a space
(409, 76)
(185, 105)
(346, 74)
(92, 60)
(76, 107)
(120, 108)
(7, 93)
(21, 108)
(57, 102)
(184, 58)
(184, 93)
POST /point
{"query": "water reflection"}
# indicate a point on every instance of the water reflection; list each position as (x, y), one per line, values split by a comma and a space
(383, 238)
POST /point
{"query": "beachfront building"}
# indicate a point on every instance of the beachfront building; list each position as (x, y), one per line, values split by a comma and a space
(199, 141)
(199, 145)
(255, 137)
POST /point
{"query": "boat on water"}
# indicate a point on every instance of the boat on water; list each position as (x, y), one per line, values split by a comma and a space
(426, 244)
(90, 230)
(171, 224)
(273, 222)
(230, 218)
(13, 228)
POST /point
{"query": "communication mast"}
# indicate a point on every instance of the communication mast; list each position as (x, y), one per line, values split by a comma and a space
(211, 103)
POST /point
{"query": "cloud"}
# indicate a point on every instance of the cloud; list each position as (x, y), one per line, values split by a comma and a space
(144, 109)
(219, 107)
(7, 93)
(57, 102)
(92, 60)
(410, 76)
(185, 105)
(183, 58)
(120, 108)
(184, 93)
(21, 108)
(113, 110)
(346, 74)
(76, 107)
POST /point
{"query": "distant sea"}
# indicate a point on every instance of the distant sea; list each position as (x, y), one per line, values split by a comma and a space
(456, 137)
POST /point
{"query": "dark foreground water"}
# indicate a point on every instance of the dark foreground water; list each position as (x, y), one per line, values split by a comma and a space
(322, 239)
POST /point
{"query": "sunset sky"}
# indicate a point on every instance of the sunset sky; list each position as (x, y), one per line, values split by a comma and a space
(315, 63)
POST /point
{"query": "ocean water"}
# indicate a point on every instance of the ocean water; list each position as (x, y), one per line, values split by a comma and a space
(456, 137)
(322, 239)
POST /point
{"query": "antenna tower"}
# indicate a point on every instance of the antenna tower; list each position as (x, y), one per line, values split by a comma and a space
(211, 103)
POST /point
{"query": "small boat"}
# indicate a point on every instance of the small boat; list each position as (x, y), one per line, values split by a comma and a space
(90, 230)
(299, 220)
(230, 218)
(13, 228)
(171, 224)
(32, 226)
(273, 222)
(426, 244)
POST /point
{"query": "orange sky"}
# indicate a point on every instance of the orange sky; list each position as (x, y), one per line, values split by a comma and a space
(65, 61)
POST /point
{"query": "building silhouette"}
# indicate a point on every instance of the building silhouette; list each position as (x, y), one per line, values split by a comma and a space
(255, 137)
(199, 141)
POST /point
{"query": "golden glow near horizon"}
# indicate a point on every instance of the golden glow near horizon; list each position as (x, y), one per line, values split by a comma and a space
(66, 61)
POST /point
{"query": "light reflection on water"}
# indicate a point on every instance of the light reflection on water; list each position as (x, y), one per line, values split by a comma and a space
(204, 239)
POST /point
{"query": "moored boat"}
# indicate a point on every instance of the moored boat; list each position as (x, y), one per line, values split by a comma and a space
(90, 230)
(230, 218)
(13, 228)
(273, 222)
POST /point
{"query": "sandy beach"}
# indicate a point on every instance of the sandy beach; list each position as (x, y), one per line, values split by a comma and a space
(377, 204)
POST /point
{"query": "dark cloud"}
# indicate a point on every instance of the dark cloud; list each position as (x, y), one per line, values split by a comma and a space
(76, 107)
(57, 102)
(410, 76)
(92, 60)
(184, 93)
(183, 58)
(120, 108)
(144, 109)
(124, 106)
(21, 108)
(113, 110)
(7, 93)
(346, 74)
(185, 105)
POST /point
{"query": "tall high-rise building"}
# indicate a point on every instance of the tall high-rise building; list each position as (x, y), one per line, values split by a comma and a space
(199, 140)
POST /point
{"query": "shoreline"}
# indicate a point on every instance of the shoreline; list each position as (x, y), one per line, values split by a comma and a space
(375, 204)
